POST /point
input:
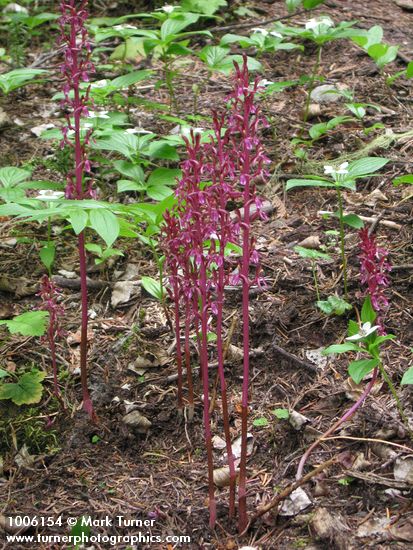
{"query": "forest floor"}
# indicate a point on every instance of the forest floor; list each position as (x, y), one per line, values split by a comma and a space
(78, 469)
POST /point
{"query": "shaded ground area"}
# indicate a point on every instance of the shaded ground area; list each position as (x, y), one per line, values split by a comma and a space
(80, 469)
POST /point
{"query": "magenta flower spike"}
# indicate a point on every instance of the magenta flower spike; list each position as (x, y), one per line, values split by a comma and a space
(49, 294)
(374, 269)
(76, 69)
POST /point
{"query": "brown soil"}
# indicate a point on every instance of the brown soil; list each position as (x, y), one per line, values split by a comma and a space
(162, 474)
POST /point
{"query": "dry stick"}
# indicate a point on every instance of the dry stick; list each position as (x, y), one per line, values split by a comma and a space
(339, 422)
(287, 491)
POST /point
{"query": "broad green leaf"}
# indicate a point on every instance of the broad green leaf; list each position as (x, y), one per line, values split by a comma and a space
(341, 348)
(17, 78)
(126, 144)
(308, 183)
(171, 27)
(129, 79)
(368, 315)
(11, 176)
(358, 369)
(353, 328)
(408, 178)
(310, 253)
(4, 373)
(407, 377)
(106, 225)
(159, 192)
(30, 323)
(207, 7)
(334, 304)
(152, 287)
(78, 220)
(409, 70)
(26, 391)
(47, 255)
(310, 4)
(366, 166)
(129, 169)
(353, 221)
(260, 422)
(164, 176)
(281, 414)
(128, 185)
(162, 150)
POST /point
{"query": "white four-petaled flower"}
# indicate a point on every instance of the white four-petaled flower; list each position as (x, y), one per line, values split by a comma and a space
(50, 195)
(168, 8)
(260, 30)
(365, 330)
(98, 114)
(334, 172)
(316, 24)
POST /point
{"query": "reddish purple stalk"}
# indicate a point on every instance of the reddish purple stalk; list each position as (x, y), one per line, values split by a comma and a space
(76, 69)
(49, 294)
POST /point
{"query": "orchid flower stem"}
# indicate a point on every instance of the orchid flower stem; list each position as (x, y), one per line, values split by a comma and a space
(337, 424)
(313, 77)
(205, 384)
(314, 269)
(178, 352)
(342, 235)
(396, 398)
(188, 364)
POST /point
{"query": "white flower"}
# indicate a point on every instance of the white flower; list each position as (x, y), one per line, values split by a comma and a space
(99, 84)
(98, 114)
(186, 131)
(264, 82)
(168, 8)
(316, 25)
(260, 30)
(123, 27)
(50, 195)
(137, 131)
(334, 172)
(364, 331)
(276, 34)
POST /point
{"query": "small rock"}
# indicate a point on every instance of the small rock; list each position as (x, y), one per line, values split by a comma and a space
(38, 130)
(403, 469)
(312, 242)
(295, 503)
(4, 119)
(67, 274)
(405, 4)
(297, 420)
(137, 421)
(326, 93)
(316, 356)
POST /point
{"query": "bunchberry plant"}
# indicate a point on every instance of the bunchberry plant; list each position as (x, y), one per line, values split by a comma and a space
(75, 70)
(366, 337)
(342, 177)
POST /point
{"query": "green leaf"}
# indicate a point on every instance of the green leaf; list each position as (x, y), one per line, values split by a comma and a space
(47, 255)
(4, 373)
(127, 185)
(106, 225)
(310, 4)
(353, 328)
(202, 6)
(164, 176)
(152, 287)
(341, 348)
(409, 70)
(159, 192)
(171, 27)
(129, 169)
(259, 422)
(126, 80)
(281, 414)
(17, 78)
(26, 391)
(162, 150)
(408, 178)
(358, 369)
(366, 166)
(368, 315)
(308, 183)
(78, 220)
(407, 377)
(30, 323)
(11, 176)
(310, 253)
(353, 221)
(334, 304)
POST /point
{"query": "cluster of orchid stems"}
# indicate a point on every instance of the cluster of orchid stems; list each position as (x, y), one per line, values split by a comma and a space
(198, 237)
(374, 267)
(76, 69)
(50, 294)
